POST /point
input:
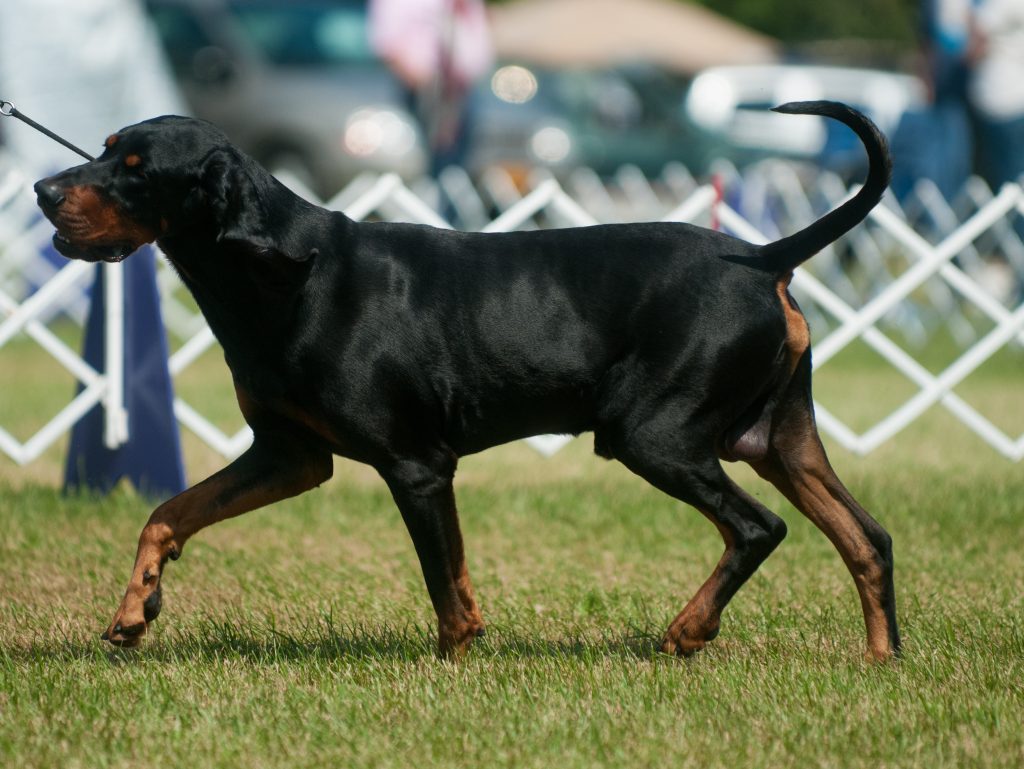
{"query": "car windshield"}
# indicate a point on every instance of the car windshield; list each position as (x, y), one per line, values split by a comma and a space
(297, 34)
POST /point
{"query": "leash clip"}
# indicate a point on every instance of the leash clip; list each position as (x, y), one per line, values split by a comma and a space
(7, 109)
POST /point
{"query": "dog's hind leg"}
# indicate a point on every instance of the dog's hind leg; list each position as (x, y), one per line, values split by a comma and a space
(797, 465)
(750, 531)
(275, 467)
(423, 491)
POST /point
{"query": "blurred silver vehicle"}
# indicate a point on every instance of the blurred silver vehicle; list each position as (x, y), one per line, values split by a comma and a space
(294, 84)
(731, 106)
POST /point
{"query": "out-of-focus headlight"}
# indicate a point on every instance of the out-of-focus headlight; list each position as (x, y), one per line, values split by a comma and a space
(711, 101)
(378, 131)
(514, 84)
(551, 144)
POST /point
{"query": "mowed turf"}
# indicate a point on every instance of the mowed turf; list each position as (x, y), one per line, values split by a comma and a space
(301, 635)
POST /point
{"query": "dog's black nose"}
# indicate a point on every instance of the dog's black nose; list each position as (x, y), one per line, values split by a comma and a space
(49, 196)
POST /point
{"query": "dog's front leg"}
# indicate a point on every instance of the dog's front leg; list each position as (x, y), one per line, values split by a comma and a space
(424, 495)
(275, 467)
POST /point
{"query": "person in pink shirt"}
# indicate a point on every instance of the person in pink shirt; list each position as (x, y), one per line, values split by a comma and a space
(438, 49)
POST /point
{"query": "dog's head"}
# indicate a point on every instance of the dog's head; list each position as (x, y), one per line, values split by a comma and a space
(155, 179)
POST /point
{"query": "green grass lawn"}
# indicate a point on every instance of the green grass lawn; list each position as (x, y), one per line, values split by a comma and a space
(301, 635)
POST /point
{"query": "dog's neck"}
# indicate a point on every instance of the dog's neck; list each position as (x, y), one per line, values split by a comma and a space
(245, 287)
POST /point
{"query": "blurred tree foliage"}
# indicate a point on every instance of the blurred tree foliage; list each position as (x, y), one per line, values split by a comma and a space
(796, 21)
(800, 21)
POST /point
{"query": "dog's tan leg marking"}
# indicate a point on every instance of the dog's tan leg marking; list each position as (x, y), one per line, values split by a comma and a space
(273, 468)
(816, 491)
(798, 466)
(463, 584)
(798, 335)
(459, 620)
(423, 490)
(700, 619)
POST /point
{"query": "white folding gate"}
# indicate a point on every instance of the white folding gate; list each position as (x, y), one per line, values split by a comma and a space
(387, 197)
(22, 235)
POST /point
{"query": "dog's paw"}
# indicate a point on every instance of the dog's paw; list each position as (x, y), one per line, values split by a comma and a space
(139, 607)
(124, 636)
(129, 624)
(681, 647)
(455, 640)
(682, 642)
(144, 597)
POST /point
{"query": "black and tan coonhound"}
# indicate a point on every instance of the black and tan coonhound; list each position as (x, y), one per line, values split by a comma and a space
(406, 347)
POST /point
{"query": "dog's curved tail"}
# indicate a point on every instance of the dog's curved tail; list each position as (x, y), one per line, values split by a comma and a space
(784, 255)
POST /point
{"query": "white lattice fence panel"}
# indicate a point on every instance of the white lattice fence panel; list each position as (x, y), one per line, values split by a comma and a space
(930, 261)
(24, 237)
(845, 316)
(388, 198)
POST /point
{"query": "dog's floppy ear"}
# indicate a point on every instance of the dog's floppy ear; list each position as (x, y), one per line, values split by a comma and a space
(238, 194)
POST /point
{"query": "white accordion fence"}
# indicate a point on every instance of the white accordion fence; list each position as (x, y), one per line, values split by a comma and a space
(929, 267)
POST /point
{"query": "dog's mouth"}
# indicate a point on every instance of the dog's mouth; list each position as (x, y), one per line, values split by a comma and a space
(93, 252)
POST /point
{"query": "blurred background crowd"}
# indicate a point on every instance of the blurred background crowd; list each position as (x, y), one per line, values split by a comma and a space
(326, 89)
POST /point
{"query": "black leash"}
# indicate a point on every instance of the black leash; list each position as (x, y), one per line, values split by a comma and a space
(9, 110)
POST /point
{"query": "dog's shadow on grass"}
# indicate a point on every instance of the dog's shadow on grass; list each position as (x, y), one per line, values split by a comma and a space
(216, 642)
(400, 644)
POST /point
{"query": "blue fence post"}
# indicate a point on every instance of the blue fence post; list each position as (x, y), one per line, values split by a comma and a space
(151, 459)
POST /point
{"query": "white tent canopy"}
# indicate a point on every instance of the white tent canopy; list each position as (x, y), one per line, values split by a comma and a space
(680, 37)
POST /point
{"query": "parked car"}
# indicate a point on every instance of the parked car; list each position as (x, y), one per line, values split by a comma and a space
(731, 107)
(294, 83)
(599, 118)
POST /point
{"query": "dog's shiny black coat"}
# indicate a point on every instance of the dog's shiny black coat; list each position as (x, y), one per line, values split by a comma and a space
(406, 346)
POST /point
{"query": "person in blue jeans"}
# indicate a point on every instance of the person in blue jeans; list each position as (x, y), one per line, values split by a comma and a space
(936, 142)
(996, 89)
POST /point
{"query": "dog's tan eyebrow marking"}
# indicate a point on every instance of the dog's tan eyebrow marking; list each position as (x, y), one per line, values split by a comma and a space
(111, 140)
(133, 160)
